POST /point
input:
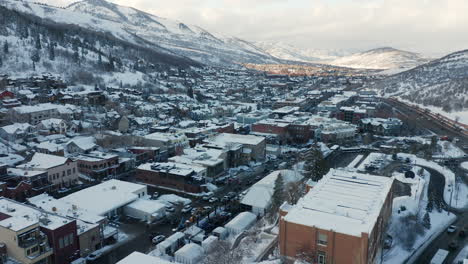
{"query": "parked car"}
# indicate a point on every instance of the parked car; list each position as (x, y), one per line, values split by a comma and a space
(231, 194)
(462, 233)
(207, 208)
(225, 199)
(213, 200)
(155, 195)
(453, 245)
(158, 239)
(451, 229)
(187, 208)
(170, 209)
(93, 256)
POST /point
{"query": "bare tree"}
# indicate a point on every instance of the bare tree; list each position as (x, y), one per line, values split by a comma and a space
(221, 253)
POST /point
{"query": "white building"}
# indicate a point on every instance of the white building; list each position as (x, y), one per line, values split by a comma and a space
(145, 210)
(140, 258)
(189, 254)
(240, 223)
(108, 198)
(258, 198)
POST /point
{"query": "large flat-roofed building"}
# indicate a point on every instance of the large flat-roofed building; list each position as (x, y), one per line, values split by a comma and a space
(340, 220)
(108, 198)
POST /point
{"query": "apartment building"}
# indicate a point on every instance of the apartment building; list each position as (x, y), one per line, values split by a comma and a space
(62, 172)
(97, 164)
(33, 236)
(341, 220)
(33, 114)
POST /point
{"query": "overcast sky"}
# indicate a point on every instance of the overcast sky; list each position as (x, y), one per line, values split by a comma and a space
(427, 26)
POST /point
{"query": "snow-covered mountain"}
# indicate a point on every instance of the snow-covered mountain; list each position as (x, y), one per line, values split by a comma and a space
(442, 83)
(381, 58)
(290, 52)
(136, 26)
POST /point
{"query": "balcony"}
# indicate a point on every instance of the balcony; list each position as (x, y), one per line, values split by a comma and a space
(43, 251)
(30, 239)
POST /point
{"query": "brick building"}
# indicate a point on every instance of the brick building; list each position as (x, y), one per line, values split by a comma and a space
(97, 164)
(172, 175)
(340, 220)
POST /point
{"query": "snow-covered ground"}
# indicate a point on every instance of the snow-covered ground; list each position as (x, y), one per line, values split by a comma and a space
(464, 165)
(460, 196)
(449, 150)
(462, 255)
(447, 173)
(415, 206)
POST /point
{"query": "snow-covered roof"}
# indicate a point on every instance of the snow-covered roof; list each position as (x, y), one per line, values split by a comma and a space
(85, 143)
(140, 258)
(147, 206)
(259, 195)
(22, 216)
(343, 201)
(189, 252)
(50, 146)
(26, 109)
(24, 173)
(44, 161)
(106, 196)
(226, 138)
(12, 129)
(241, 222)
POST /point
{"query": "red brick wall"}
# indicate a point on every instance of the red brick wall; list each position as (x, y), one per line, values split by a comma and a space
(170, 181)
(62, 255)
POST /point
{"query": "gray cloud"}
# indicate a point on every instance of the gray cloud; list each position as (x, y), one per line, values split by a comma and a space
(429, 26)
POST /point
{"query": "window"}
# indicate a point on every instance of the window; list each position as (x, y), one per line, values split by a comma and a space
(322, 239)
(322, 257)
(63, 174)
(68, 172)
(65, 241)
(70, 237)
(61, 242)
(74, 170)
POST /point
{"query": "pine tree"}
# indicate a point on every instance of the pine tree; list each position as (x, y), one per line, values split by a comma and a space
(76, 56)
(278, 195)
(6, 48)
(315, 164)
(427, 221)
(35, 57)
(1, 62)
(51, 52)
(38, 42)
(190, 92)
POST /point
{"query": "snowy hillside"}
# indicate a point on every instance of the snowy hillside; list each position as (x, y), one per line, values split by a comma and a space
(289, 52)
(33, 46)
(138, 27)
(381, 58)
(442, 83)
